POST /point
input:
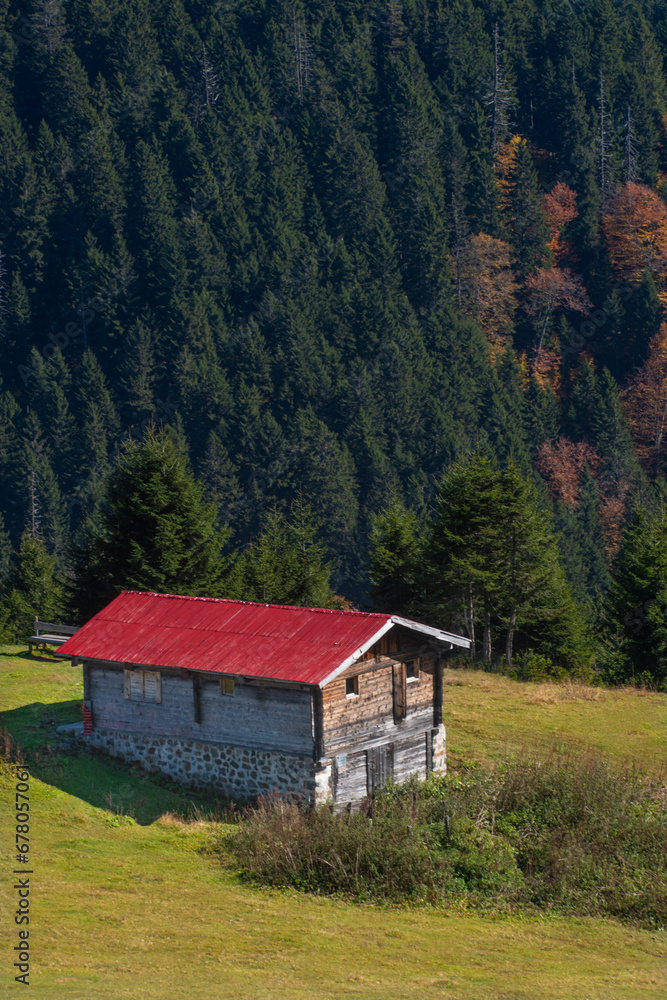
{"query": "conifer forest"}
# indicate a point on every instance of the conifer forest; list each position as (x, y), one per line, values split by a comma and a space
(343, 304)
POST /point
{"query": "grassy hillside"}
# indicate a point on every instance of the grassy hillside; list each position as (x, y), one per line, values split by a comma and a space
(139, 909)
(489, 717)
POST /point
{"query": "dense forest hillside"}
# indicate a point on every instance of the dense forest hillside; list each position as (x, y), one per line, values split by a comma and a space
(335, 247)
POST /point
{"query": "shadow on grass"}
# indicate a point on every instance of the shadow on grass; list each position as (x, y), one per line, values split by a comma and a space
(23, 654)
(110, 784)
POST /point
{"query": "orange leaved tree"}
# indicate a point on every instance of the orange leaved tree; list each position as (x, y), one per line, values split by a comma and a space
(561, 463)
(635, 229)
(645, 405)
(559, 208)
(488, 289)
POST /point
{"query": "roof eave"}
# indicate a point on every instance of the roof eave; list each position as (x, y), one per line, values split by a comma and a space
(434, 633)
(349, 660)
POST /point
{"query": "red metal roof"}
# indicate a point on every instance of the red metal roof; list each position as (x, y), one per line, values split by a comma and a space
(308, 645)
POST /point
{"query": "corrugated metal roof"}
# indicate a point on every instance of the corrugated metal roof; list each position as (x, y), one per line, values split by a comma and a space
(308, 645)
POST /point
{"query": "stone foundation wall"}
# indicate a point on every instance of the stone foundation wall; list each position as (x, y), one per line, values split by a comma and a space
(236, 772)
(233, 771)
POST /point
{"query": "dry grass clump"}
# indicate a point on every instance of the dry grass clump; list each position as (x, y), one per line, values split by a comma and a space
(553, 693)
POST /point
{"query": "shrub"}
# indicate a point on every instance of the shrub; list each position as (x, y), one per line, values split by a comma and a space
(532, 666)
(565, 833)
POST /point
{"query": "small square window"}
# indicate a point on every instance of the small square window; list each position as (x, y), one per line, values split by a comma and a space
(412, 670)
(352, 686)
(226, 685)
(143, 685)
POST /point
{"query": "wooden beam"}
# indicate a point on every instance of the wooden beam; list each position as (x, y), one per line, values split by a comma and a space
(438, 689)
(196, 698)
(317, 715)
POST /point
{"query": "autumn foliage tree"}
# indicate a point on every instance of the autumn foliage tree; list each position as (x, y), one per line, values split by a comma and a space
(635, 229)
(645, 405)
(549, 290)
(562, 463)
(488, 289)
(559, 207)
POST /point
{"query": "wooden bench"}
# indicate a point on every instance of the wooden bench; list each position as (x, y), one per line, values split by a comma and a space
(48, 634)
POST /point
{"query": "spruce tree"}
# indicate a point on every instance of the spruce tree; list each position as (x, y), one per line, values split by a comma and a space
(157, 532)
(286, 564)
(396, 557)
(33, 590)
(633, 624)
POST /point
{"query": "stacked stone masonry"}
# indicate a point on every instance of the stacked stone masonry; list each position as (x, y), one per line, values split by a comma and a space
(236, 772)
(233, 771)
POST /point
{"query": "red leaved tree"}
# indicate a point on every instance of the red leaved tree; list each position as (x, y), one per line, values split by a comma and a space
(561, 463)
(547, 291)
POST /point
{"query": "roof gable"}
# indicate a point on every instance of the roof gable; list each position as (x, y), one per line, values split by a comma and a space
(308, 645)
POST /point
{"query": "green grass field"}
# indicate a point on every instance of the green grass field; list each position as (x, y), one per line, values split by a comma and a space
(128, 904)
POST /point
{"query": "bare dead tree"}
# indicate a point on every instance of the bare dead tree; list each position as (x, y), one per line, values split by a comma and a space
(603, 142)
(211, 87)
(499, 97)
(301, 47)
(631, 171)
(3, 293)
(35, 519)
(49, 23)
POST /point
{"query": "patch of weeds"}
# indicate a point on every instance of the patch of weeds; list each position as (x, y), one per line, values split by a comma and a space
(564, 833)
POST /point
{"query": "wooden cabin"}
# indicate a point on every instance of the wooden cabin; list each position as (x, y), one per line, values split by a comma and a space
(249, 698)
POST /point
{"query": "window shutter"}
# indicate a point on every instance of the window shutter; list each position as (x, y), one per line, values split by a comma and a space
(150, 685)
(136, 685)
(400, 692)
(128, 675)
(158, 688)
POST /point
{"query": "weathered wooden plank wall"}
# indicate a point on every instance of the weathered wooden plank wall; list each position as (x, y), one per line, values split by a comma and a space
(368, 718)
(350, 781)
(410, 756)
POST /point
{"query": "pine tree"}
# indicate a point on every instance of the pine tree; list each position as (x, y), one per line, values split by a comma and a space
(286, 564)
(634, 619)
(395, 559)
(527, 228)
(537, 602)
(494, 557)
(157, 531)
(463, 547)
(5, 557)
(33, 591)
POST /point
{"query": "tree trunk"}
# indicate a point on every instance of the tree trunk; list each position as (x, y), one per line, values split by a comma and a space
(544, 327)
(509, 646)
(471, 621)
(487, 636)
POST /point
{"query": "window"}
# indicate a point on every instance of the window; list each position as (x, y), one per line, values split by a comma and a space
(143, 685)
(412, 670)
(352, 686)
(226, 685)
